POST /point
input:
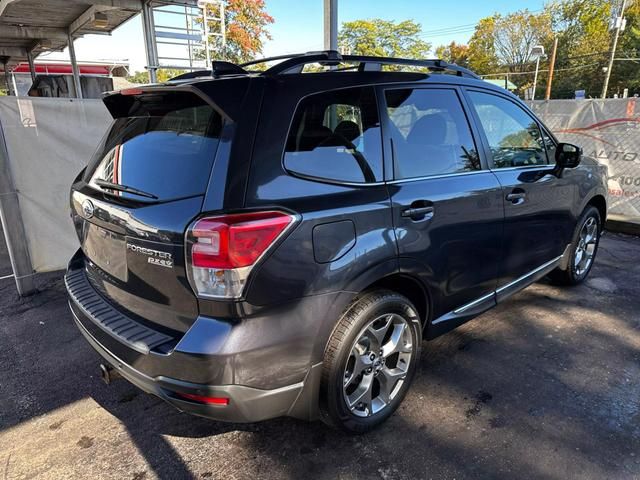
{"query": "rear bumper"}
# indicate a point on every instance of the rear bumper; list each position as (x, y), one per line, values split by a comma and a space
(263, 372)
(246, 404)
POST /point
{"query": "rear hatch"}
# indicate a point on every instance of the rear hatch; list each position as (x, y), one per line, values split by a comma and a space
(142, 189)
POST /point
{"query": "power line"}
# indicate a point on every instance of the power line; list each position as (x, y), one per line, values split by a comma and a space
(503, 74)
(456, 29)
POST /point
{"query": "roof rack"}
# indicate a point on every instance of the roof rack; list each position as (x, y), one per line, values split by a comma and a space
(295, 63)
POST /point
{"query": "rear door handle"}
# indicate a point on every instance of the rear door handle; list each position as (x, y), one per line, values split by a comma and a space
(517, 196)
(418, 213)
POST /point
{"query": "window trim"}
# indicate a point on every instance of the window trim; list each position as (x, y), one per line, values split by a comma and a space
(372, 88)
(389, 151)
(485, 140)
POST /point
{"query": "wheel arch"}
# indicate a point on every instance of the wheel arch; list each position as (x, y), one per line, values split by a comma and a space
(409, 287)
(600, 203)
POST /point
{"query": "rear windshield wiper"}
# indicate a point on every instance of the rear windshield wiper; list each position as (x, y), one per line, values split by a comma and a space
(104, 184)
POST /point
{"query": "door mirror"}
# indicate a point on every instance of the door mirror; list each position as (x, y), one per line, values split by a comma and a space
(567, 156)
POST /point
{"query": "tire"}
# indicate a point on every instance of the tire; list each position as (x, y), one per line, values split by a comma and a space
(580, 263)
(386, 325)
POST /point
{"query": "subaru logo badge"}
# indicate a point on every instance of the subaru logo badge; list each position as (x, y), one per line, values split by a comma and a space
(87, 208)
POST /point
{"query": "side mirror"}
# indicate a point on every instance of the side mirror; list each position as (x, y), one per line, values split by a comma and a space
(567, 156)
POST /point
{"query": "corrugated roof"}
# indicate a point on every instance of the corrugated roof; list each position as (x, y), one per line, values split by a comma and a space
(40, 26)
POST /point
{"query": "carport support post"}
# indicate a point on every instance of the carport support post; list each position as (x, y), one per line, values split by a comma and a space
(13, 227)
(74, 67)
(7, 82)
(32, 65)
(331, 24)
(148, 30)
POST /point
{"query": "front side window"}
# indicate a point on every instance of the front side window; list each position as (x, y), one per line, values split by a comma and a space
(513, 135)
(430, 133)
(336, 136)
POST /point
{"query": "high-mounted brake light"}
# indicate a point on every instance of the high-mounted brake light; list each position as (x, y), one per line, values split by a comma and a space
(131, 91)
(222, 250)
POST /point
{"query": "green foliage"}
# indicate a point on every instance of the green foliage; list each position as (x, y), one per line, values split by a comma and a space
(139, 77)
(383, 38)
(164, 75)
(582, 27)
(502, 44)
(505, 41)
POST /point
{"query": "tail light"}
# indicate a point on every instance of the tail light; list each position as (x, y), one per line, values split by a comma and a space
(222, 250)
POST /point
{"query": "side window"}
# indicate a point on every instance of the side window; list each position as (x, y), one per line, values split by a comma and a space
(514, 136)
(430, 133)
(336, 136)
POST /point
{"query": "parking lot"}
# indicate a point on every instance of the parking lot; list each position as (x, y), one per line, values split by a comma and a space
(544, 386)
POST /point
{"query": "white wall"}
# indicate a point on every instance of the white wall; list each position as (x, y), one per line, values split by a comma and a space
(49, 140)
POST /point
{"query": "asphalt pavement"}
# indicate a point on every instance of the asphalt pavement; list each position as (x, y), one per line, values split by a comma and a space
(544, 386)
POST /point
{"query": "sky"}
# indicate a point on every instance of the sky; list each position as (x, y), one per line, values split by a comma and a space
(298, 25)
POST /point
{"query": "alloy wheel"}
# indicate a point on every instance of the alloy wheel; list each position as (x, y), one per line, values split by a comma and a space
(377, 365)
(586, 248)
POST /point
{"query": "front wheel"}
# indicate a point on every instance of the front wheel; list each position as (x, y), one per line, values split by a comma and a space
(583, 249)
(370, 361)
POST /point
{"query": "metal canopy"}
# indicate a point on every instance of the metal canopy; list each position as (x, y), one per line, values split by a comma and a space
(37, 26)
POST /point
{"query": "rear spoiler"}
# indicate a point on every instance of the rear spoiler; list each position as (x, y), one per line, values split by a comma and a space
(225, 96)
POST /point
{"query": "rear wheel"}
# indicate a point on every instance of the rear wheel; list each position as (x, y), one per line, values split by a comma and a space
(583, 249)
(370, 361)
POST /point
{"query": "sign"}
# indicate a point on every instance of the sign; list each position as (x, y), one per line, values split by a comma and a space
(581, 94)
(609, 132)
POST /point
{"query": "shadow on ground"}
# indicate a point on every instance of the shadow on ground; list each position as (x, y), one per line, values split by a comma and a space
(544, 386)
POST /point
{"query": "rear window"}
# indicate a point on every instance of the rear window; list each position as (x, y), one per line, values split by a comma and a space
(165, 149)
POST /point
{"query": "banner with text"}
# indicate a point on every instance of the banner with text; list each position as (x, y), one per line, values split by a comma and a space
(609, 131)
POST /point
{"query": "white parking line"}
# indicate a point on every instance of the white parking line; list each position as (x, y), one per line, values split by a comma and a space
(6, 276)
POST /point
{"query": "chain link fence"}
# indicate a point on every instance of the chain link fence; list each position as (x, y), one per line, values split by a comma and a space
(609, 131)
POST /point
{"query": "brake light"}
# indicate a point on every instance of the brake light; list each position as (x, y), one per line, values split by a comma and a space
(222, 250)
(131, 91)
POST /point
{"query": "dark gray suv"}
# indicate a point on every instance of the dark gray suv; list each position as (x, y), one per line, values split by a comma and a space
(259, 243)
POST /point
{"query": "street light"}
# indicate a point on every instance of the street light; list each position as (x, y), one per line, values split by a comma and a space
(538, 52)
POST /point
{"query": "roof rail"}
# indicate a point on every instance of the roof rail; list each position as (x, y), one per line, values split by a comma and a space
(295, 63)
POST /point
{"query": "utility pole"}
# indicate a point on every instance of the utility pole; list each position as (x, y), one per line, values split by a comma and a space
(618, 24)
(552, 66)
(331, 24)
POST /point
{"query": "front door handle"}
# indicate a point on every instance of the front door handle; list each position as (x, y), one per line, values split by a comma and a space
(517, 196)
(418, 213)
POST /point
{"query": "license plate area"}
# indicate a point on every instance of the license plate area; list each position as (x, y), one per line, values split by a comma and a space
(106, 249)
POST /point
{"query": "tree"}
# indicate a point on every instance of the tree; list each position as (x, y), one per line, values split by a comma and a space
(507, 40)
(626, 74)
(582, 27)
(457, 53)
(246, 30)
(164, 74)
(383, 38)
(482, 50)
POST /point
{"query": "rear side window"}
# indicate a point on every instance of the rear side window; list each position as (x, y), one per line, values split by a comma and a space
(513, 135)
(166, 149)
(430, 133)
(336, 136)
